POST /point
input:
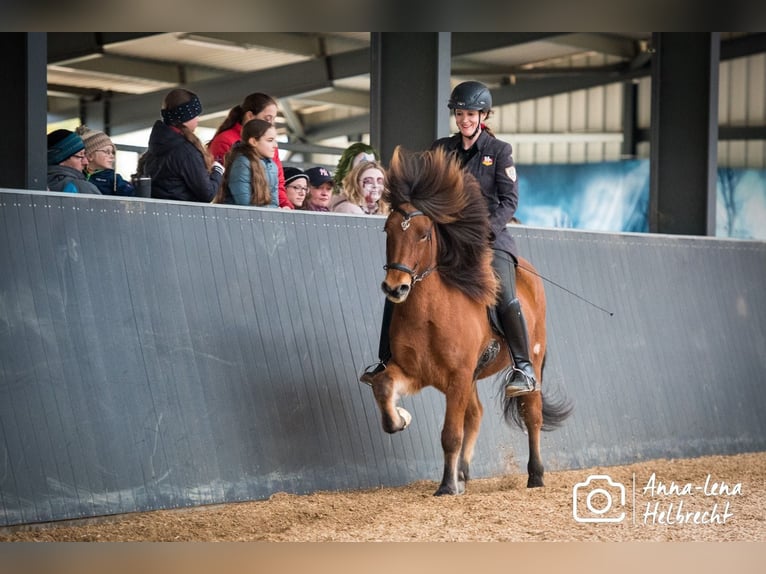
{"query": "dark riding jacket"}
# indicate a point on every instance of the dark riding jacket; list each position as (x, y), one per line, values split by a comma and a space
(492, 165)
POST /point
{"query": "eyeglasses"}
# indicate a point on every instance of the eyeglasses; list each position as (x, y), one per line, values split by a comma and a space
(79, 156)
(106, 151)
(298, 188)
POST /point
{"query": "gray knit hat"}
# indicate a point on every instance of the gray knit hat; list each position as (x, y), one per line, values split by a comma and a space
(94, 139)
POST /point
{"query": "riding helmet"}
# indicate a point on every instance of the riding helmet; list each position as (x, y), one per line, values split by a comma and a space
(470, 95)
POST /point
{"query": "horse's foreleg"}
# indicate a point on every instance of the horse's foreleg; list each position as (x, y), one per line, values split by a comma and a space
(532, 412)
(386, 391)
(472, 422)
(452, 444)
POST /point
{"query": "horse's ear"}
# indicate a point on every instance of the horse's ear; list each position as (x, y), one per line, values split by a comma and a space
(396, 158)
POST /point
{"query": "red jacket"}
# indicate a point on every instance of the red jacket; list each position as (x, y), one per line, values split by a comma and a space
(222, 143)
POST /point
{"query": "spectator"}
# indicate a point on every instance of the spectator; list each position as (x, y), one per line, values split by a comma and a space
(66, 162)
(320, 189)
(296, 186)
(100, 169)
(251, 174)
(256, 106)
(362, 190)
(351, 156)
(180, 166)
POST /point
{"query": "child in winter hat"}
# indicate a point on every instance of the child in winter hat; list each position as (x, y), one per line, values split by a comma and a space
(100, 152)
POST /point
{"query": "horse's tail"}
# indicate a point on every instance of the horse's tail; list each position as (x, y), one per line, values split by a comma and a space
(555, 411)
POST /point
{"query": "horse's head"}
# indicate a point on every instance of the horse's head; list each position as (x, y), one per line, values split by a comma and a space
(410, 251)
(439, 219)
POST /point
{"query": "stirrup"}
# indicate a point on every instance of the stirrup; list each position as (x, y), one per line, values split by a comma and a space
(369, 373)
(517, 382)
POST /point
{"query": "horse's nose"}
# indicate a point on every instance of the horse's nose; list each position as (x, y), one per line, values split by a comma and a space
(398, 293)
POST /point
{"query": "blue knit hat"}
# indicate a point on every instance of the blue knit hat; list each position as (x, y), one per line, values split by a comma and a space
(63, 144)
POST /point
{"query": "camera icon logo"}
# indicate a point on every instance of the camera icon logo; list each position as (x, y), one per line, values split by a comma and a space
(598, 493)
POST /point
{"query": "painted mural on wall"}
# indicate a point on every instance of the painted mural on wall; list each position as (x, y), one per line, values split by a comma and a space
(614, 196)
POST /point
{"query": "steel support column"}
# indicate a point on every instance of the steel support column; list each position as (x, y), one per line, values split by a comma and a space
(410, 85)
(684, 133)
(23, 76)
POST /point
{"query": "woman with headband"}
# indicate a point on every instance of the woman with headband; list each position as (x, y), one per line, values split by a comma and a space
(179, 164)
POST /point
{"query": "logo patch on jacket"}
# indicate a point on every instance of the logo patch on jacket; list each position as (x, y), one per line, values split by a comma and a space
(487, 160)
(511, 172)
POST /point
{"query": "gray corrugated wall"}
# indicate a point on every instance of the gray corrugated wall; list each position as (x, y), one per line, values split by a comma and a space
(156, 355)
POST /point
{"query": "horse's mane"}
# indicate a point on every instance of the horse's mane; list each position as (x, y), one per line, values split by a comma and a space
(435, 183)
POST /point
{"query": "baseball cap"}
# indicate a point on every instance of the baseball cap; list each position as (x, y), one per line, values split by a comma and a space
(318, 176)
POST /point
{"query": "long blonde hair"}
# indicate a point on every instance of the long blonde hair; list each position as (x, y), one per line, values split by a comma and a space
(352, 187)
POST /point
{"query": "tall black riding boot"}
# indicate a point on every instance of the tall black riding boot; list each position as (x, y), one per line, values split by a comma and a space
(384, 347)
(520, 378)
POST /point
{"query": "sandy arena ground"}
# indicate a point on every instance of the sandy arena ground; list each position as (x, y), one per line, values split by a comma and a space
(716, 498)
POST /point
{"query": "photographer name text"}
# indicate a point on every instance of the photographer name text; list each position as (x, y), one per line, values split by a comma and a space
(671, 510)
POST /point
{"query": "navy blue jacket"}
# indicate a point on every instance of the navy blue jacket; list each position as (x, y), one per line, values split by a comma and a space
(493, 168)
(110, 183)
(177, 168)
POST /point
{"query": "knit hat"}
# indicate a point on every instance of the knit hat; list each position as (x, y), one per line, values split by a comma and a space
(183, 112)
(293, 173)
(318, 176)
(63, 144)
(94, 139)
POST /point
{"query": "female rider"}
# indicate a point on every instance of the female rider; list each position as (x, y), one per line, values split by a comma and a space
(490, 160)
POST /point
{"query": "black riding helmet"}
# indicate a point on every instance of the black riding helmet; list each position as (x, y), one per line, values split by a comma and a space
(470, 95)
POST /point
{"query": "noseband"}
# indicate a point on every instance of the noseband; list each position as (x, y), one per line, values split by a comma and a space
(401, 267)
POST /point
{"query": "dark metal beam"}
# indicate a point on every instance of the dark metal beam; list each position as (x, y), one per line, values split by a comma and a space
(743, 46)
(529, 89)
(354, 125)
(473, 69)
(294, 43)
(464, 43)
(532, 85)
(146, 70)
(725, 133)
(63, 46)
(602, 43)
(134, 112)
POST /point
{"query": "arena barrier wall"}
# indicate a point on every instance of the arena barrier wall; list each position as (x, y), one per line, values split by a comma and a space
(159, 355)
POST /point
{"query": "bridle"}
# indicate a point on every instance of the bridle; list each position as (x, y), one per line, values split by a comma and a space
(400, 266)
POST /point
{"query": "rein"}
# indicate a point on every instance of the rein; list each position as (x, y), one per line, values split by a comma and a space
(416, 277)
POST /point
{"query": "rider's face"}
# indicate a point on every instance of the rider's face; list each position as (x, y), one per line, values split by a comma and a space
(467, 121)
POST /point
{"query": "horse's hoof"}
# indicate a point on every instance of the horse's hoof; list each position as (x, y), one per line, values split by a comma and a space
(535, 482)
(446, 490)
(405, 415)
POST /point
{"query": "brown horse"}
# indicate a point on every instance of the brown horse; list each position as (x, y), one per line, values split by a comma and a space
(440, 277)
